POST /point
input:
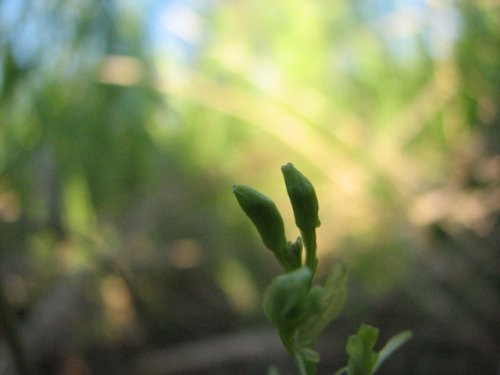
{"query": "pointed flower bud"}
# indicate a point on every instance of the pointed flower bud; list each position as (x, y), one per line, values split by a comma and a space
(265, 216)
(303, 197)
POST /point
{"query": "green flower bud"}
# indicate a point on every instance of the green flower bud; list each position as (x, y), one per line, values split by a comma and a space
(265, 216)
(303, 197)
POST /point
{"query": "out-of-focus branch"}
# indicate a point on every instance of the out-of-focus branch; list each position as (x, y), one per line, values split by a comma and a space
(11, 331)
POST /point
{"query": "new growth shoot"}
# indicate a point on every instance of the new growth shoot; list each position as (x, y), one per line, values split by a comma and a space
(299, 310)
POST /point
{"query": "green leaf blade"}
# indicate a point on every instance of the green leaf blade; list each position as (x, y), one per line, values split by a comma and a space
(391, 346)
(285, 301)
(362, 358)
(331, 303)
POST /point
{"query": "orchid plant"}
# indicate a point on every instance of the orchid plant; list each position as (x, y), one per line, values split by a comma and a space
(299, 310)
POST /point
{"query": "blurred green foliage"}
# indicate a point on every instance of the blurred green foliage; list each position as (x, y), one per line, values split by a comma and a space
(123, 126)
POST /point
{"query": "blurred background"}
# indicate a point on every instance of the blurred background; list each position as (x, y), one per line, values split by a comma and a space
(124, 124)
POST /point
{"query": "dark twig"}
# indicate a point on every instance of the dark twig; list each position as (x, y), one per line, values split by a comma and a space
(12, 336)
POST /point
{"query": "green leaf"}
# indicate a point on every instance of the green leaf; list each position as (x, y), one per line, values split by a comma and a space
(362, 359)
(285, 302)
(354, 349)
(309, 355)
(359, 347)
(368, 335)
(325, 306)
(391, 346)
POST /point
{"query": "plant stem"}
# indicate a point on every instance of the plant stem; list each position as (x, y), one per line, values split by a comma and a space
(300, 364)
(309, 241)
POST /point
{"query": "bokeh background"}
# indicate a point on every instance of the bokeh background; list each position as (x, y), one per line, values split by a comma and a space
(124, 124)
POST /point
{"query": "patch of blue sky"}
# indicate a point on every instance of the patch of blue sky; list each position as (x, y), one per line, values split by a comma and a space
(36, 32)
(401, 25)
(10, 12)
(177, 29)
(20, 31)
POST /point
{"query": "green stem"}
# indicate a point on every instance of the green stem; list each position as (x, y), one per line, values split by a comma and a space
(300, 364)
(309, 241)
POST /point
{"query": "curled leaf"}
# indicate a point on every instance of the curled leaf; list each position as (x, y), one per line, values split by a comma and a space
(285, 301)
